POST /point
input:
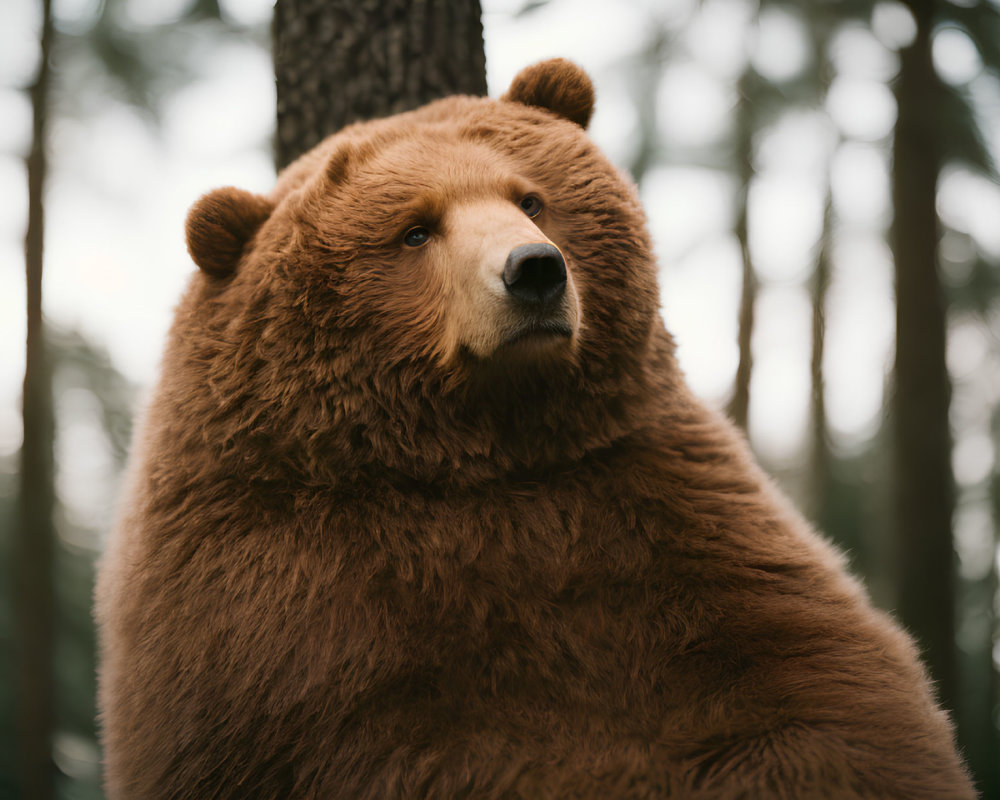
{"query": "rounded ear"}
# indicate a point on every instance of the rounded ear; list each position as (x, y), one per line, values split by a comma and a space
(220, 225)
(557, 85)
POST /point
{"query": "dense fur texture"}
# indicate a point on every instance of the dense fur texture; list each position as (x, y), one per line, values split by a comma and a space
(390, 534)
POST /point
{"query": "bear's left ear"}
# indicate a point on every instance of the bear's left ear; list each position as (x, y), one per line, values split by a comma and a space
(557, 85)
(220, 225)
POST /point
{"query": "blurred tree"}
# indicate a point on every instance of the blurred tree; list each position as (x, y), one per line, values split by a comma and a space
(32, 561)
(95, 51)
(646, 69)
(340, 62)
(972, 288)
(75, 366)
(936, 124)
(962, 141)
(984, 754)
(746, 124)
(82, 370)
(759, 103)
(822, 25)
(922, 442)
(819, 450)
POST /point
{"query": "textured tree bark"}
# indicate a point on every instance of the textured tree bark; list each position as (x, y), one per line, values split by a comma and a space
(924, 492)
(339, 62)
(34, 594)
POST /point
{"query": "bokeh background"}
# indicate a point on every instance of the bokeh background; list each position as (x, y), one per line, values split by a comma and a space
(761, 135)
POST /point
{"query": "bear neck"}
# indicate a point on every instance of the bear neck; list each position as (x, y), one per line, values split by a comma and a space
(418, 426)
(256, 397)
(272, 428)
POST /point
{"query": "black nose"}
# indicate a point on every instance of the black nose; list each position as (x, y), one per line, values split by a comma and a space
(535, 273)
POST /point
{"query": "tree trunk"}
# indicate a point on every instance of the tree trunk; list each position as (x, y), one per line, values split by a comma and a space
(648, 69)
(35, 535)
(924, 493)
(739, 405)
(340, 62)
(822, 26)
(819, 452)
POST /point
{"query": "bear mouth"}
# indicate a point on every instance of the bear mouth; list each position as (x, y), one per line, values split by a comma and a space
(540, 331)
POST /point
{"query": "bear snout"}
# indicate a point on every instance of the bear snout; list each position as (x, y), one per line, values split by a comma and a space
(535, 273)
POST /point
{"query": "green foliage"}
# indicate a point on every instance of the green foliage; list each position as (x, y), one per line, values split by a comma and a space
(956, 123)
(77, 364)
(958, 130)
(981, 23)
(108, 53)
(978, 291)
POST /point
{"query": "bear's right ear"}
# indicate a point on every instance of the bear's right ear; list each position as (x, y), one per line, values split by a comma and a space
(557, 85)
(219, 226)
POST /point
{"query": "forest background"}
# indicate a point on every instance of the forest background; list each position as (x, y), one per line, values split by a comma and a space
(821, 186)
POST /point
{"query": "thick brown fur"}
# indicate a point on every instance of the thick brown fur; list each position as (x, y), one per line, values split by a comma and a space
(374, 546)
(558, 86)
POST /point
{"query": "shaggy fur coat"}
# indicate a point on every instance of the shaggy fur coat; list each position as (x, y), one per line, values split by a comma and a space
(375, 545)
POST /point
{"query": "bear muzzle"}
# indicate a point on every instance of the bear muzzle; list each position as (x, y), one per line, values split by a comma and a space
(505, 283)
(538, 286)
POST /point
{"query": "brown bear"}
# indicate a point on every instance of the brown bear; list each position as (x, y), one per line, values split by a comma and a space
(422, 507)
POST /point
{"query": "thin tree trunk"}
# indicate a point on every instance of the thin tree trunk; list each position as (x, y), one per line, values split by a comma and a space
(924, 493)
(338, 61)
(739, 405)
(822, 26)
(819, 452)
(34, 594)
(648, 71)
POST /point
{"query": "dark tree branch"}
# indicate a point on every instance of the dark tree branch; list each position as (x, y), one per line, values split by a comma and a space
(739, 405)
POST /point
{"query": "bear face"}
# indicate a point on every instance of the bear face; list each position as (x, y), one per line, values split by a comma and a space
(429, 274)
(457, 262)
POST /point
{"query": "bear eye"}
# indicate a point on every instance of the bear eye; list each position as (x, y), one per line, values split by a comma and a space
(531, 205)
(416, 237)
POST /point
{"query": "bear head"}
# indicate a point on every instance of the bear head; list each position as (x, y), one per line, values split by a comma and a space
(464, 287)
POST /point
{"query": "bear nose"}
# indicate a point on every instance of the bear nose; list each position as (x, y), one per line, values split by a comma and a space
(535, 273)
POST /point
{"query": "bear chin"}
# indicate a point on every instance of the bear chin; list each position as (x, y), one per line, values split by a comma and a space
(543, 335)
(526, 357)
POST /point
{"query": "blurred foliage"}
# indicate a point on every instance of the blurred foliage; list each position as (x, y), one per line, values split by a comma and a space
(80, 366)
(110, 49)
(109, 52)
